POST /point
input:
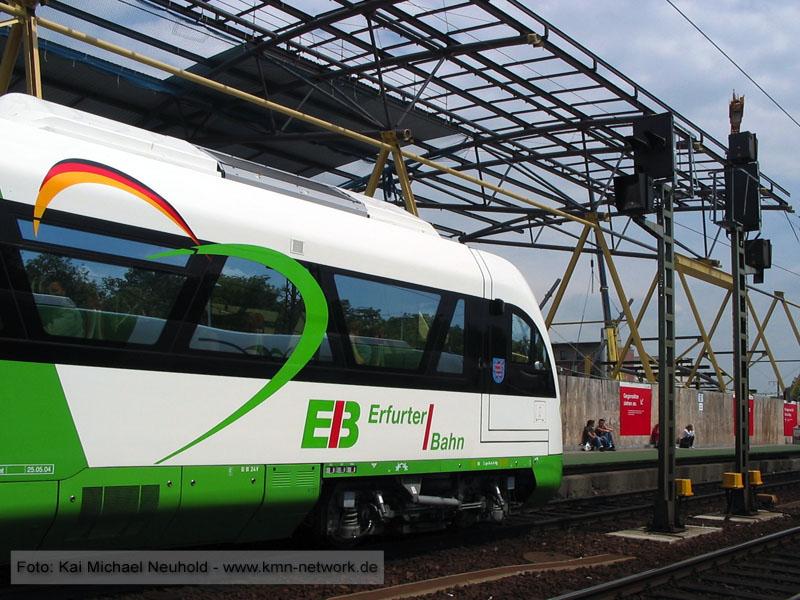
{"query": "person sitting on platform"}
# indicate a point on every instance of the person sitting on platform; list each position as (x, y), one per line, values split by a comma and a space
(590, 440)
(605, 433)
(655, 435)
(687, 437)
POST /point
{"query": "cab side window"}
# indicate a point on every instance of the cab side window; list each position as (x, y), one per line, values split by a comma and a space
(451, 359)
(520, 340)
(529, 368)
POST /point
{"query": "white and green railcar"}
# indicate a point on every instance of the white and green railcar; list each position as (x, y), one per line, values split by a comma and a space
(197, 349)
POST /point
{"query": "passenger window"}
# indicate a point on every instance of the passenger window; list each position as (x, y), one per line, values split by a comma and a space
(253, 310)
(388, 324)
(73, 238)
(451, 360)
(95, 300)
(520, 340)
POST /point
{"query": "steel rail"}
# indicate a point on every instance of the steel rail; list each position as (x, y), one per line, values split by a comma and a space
(641, 581)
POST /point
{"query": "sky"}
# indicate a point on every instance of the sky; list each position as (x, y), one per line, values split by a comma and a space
(649, 41)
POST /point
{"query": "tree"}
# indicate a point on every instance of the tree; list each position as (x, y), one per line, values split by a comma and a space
(61, 276)
(141, 292)
(794, 390)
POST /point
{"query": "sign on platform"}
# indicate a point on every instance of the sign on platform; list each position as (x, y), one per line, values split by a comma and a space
(789, 418)
(635, 405)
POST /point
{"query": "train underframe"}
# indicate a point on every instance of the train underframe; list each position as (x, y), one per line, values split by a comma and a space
(354, 509)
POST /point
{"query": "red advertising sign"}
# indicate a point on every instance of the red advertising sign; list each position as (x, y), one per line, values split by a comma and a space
(751, 412)
(789, 418)
(635, 401)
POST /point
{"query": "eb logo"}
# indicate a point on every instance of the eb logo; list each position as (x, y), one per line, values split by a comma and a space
(335, 416)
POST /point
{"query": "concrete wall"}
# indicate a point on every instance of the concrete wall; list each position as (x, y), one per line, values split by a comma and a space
(604, 482)
(583, 398)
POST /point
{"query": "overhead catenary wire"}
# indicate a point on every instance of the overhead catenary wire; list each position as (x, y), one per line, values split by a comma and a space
(791, 226)
(733, 62)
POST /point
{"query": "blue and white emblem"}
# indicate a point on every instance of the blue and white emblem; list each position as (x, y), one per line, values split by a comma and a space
(498, 369)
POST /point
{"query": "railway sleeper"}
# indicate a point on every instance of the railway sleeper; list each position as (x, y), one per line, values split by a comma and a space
(357, 508)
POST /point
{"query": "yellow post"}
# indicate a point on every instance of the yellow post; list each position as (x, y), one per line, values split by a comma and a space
(612, 269)
(33, 69)
(380, 163)
(10, 56)
(683, 488)
(762, 328)
(626, 346)
(789, 315)
(763, 337)
(390, 137)
(613, 350)
(711, 331)
(706, 339)
(567, 276)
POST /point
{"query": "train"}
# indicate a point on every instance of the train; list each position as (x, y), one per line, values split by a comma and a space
(197, 349)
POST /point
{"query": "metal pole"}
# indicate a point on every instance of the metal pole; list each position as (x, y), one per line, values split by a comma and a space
(664, 515)
(741, 501)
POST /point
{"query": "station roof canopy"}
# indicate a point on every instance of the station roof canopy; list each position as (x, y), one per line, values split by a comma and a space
(488, 88)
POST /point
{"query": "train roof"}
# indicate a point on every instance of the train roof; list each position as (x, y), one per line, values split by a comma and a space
(48, 116)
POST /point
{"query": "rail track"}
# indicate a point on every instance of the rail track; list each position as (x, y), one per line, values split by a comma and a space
(574, 511)
(764, 568)
(562, 514)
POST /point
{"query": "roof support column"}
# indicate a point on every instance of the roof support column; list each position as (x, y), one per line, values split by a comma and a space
(706, 338)
(609, 326)
(763, 336)
(706, 347)
(626, 307)
(567, 276)
(390, 137)
(627, 345)
(377, 171)
(10, 54)
(33, 68)
(789, 315)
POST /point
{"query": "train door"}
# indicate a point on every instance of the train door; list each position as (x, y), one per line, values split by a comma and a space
(517, 378)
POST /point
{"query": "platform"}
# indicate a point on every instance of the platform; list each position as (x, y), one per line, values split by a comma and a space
(588, 474)
(575, 456)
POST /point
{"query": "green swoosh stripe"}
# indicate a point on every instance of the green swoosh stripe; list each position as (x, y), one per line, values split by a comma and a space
(316, 324)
